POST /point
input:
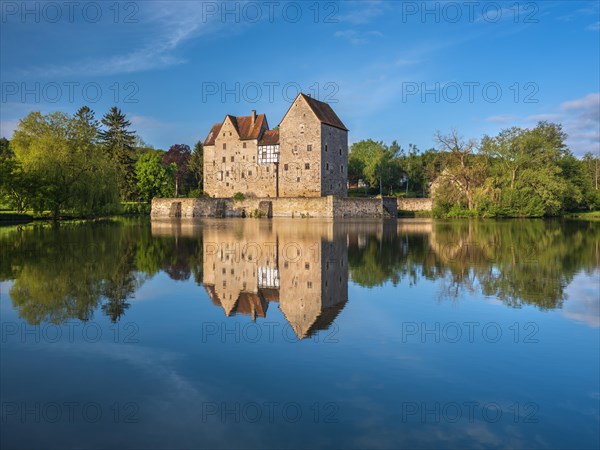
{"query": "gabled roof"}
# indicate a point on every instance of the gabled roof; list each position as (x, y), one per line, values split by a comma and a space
(324, 112)
(269, 137)
(243, 125)
(214, 131)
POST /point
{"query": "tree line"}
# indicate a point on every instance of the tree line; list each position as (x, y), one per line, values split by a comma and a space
(80, 166)
(518, 173)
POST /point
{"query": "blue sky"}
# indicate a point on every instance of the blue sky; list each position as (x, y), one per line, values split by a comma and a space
(392, 70)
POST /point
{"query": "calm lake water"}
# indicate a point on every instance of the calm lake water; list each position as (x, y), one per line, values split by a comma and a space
(251, 333)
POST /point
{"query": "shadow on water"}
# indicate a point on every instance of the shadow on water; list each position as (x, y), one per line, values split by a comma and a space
(73, 270)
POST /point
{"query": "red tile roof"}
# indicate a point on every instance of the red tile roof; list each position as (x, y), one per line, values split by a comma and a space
(324, 112)
(269, 137)
(243, 125)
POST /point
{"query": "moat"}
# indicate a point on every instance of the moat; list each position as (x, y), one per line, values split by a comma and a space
(288, 333)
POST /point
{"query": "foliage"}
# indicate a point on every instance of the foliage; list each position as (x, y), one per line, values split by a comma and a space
(58, 168)
(179, 155)
(118, 143)
(153, 178)
(196, 166)
(238, 196)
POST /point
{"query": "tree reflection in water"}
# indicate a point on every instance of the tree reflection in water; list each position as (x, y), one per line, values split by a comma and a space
(71, 270)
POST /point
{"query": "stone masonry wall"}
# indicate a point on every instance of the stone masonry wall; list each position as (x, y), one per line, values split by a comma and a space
(164, 208)
(235, 168)
(334, 161)
(300, 168)
(415, 204)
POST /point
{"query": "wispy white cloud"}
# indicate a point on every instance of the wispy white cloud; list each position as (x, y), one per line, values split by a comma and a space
(164, 27)
(361, 12)
(357, 37)
(593, 27)
(580, 119)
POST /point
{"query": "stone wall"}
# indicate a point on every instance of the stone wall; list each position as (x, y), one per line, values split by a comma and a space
(334, 165)
(329, 207)
(299, 167)
(235, 168)
(415, 204)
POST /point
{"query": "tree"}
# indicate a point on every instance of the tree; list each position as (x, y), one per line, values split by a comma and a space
(154, 179)
(60, 169)
(196, 165)
(178, 154)
(378, 161)
(118, 143)
(464, 172)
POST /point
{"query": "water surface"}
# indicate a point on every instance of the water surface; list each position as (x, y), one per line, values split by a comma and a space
(252, 333)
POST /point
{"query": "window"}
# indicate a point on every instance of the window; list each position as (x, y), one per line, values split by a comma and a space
(223, 134)
(227, 173)
(297, 179)
(224, 146)
(309, 284)
(232, 159)
(223, 159)
(267, 169)
(243, 176)
(285, 167)
(340, 150)
(342, 168)
(307, 166)
(309, 148)
(327, 166)
(230, 133)
(244, 146)
(249, 173)
(307, 266)
(325, 147)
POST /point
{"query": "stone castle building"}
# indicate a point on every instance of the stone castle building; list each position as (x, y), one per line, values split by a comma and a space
(305, 156)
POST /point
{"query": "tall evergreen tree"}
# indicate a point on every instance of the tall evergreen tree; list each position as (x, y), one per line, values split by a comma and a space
(119, 142)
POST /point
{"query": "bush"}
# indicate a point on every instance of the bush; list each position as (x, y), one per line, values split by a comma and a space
(135, 208)
(196, 193)
(238, 196)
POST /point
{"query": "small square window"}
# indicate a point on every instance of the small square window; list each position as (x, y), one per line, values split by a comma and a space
(244, 146)
(309, 148)
(232, 159)
(267, 169)
(307, 266)
(297, 179)
(307, 166)
(285, 167)
(309, 284)
(249, 173)
(224, 159)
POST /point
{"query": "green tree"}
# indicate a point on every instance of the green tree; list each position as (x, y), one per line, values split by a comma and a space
(71, 174)
(196, 165)
(153, 178)
(118, 143)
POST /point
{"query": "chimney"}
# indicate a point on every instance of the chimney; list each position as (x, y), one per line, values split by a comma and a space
(253, 116)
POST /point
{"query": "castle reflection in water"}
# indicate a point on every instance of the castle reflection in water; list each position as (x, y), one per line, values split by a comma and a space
(250, 264)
